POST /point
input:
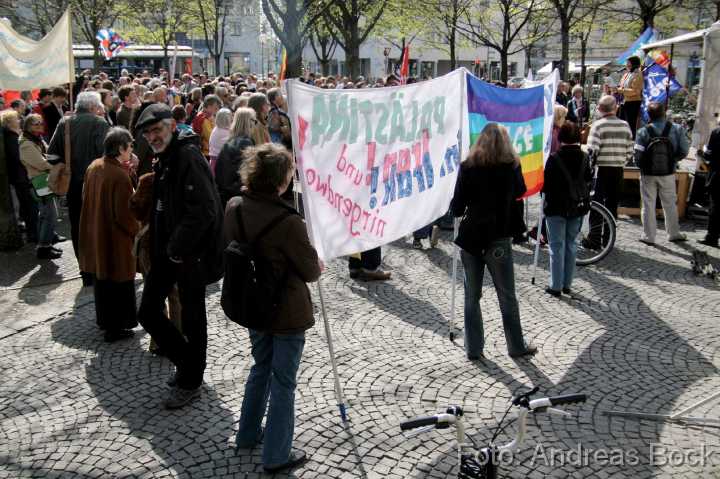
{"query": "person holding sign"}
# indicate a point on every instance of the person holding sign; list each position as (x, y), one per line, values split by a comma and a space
(489, 183)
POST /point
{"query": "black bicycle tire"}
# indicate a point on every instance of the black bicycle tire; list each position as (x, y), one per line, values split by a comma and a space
(607, 218)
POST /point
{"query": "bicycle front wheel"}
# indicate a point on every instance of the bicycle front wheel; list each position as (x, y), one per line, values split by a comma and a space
(597, 235)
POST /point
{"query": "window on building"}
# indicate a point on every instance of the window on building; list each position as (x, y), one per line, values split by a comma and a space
(237, 29)
(512, 69)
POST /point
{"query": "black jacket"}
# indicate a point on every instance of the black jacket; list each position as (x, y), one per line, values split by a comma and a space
(52, 117)
(187, 217)
(556, 187)
(17, 174)
(484, 197)
(227, 166)
(711, 156)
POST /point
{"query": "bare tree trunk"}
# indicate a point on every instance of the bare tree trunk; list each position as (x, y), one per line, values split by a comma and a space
(452, 41)
(352, 52)
(565, 48)
(504, 67)
(97, 59)
(583, 68)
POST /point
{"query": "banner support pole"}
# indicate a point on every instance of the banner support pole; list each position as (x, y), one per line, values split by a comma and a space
(538, 235)
(328, 333)
(339, 395)
(456, 225)
(456, 221)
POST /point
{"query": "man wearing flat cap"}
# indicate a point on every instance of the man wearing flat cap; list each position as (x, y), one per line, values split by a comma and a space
(186, 249)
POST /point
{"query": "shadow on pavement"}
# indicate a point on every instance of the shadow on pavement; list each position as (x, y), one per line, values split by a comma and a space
(398, 303)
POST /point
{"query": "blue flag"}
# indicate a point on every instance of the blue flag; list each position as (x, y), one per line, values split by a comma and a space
(647, 36)
(655, 79)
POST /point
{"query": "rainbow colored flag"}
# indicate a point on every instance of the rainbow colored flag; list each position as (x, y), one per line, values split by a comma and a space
(522, 111)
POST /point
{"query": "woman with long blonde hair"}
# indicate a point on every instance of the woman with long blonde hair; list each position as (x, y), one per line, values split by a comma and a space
(230, 158)
(489, 182)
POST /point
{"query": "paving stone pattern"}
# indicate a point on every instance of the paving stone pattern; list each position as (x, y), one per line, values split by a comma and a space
(640, 334)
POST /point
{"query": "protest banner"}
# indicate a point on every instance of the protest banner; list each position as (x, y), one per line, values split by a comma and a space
(376, 164)
(527, 113)
(26, 63)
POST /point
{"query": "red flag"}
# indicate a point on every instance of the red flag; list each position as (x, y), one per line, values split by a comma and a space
(405, 67)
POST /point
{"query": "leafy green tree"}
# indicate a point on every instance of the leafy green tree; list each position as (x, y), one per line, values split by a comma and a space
(156, 22)
(353, 21)
(500, 26)
(210, 20)
(291, 21)
(322, 43)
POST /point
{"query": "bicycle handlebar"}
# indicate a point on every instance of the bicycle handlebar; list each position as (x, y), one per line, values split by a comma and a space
(438, 419)
(567, 399)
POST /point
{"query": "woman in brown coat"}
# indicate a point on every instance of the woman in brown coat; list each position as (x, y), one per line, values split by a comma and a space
(107, 233)
(266, 173)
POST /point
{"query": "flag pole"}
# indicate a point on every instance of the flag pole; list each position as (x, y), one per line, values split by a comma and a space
(456, 221)
(538, 235)
(339, 395)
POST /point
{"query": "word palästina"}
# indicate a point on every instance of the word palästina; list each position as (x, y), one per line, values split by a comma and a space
(339, 118)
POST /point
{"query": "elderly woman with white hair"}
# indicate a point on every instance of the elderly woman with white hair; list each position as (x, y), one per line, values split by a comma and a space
(578, 107)
(87, 134)
(220, 134)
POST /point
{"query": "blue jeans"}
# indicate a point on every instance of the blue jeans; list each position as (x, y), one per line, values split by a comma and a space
(562, 234)
(47, 220)
(498, 259)
(274, 375)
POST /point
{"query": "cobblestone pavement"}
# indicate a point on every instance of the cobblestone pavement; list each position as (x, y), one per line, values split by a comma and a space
(641, 334)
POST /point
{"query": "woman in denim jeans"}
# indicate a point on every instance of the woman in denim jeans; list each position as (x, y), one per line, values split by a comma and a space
(33, 156)
(489, 183)
(566, 169)
(277, 347)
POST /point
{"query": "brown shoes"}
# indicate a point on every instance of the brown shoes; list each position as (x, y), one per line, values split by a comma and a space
(367, 275)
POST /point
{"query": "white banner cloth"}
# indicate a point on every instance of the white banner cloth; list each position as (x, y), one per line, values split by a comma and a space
(376, 164)
(27, 64)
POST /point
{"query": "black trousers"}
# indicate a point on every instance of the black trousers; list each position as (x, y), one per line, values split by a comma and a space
(115, 307)
(713, 231)
(369, 260)
(74, 202)
(608, 188)
(186, 350)
(28, 209)
(630, 113)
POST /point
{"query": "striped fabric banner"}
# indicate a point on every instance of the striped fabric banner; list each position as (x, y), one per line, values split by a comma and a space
(523, 112)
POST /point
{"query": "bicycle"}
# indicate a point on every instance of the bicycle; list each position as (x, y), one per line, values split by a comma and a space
(483, 463)
(597, 235)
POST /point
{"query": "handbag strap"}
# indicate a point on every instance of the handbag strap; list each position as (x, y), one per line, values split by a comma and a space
(68, 158)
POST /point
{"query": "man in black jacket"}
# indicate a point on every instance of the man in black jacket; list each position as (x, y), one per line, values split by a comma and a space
(186, 249)
(711, 155)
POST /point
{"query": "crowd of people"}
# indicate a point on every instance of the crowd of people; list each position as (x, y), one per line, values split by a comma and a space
(165, 173)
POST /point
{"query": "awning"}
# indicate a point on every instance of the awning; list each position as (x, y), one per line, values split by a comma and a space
(691, 38)
(576, 67)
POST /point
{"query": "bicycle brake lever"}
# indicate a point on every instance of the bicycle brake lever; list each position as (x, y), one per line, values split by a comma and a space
(558, 412)
(419, 431)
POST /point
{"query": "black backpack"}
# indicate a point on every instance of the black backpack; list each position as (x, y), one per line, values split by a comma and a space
(658, 158)
(578, 200)
(251, 292)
